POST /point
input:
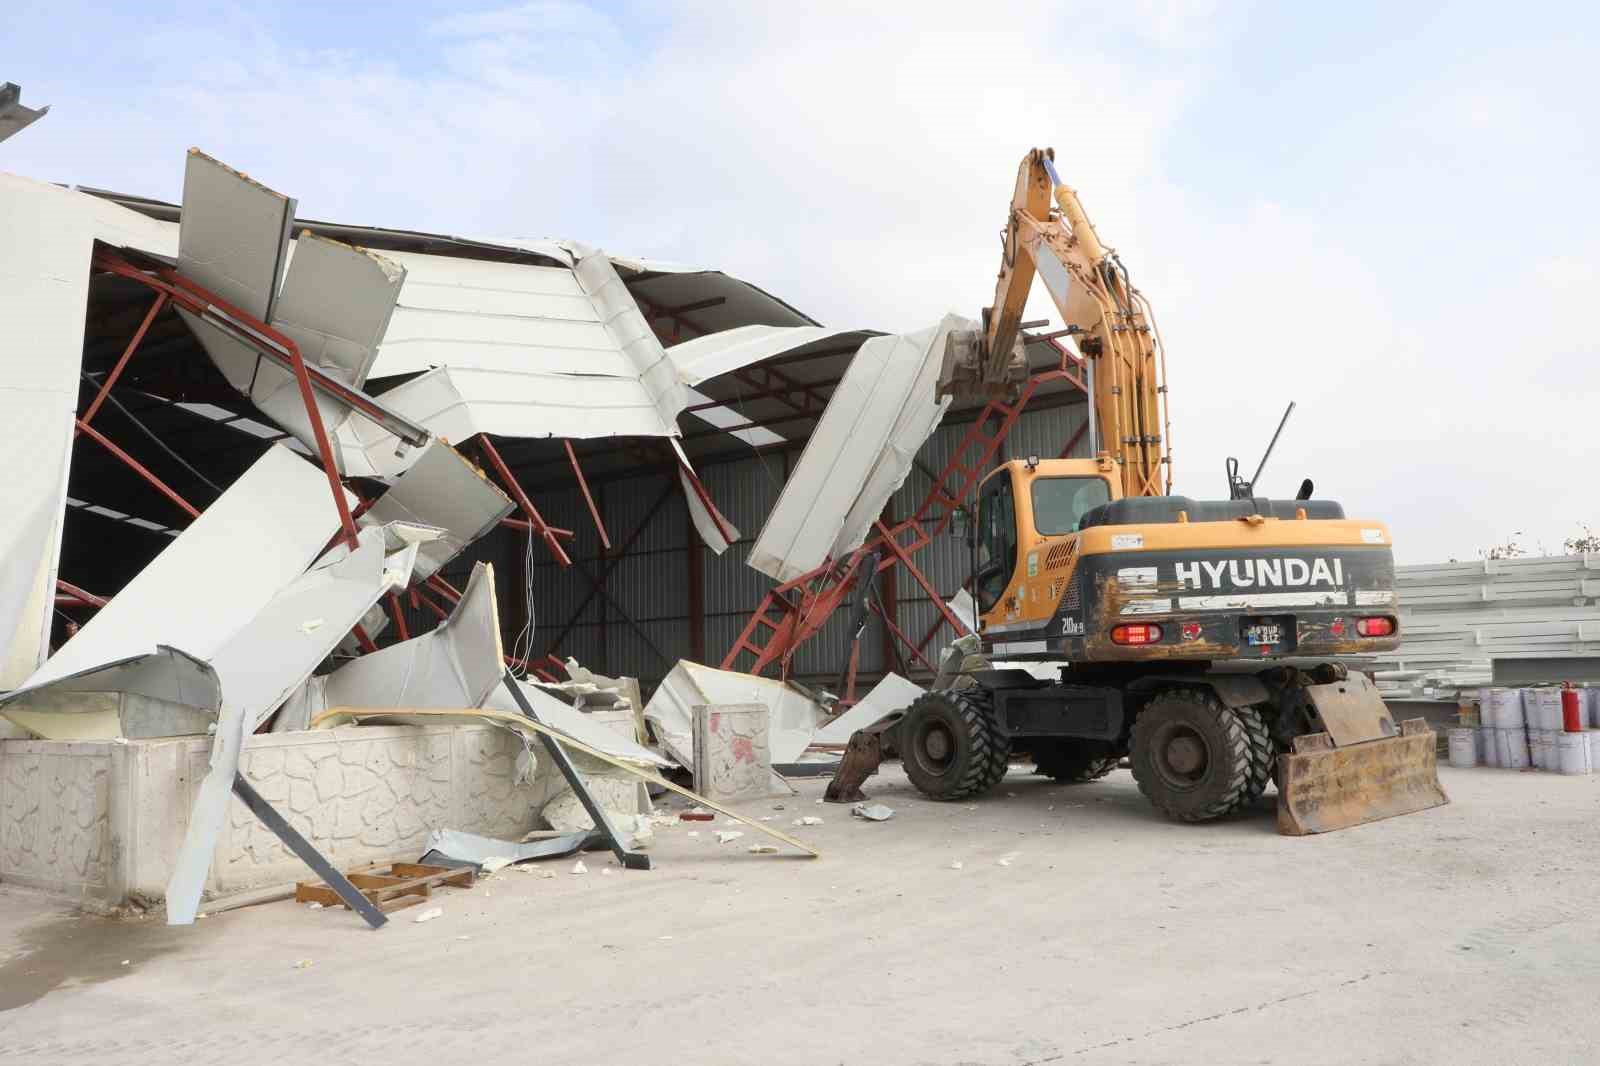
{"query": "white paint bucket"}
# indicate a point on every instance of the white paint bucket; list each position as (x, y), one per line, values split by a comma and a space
(1485, 748)
(1591, 701)
(1542, 707)
(1463, 747)
(1572, 753)
(1514, 750)
(1542, 748)
(1494, 750)
(1593, 737)
(1500, 708)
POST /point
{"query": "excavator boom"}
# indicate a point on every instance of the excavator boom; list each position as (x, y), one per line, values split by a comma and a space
(1048, 235)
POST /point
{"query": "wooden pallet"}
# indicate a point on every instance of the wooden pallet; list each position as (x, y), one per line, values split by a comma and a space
(390, 886)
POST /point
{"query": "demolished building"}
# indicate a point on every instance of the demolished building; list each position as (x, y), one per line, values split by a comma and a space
(249, 450)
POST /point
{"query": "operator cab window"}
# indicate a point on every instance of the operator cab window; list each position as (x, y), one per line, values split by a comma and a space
(997, 541)
(1059, 503)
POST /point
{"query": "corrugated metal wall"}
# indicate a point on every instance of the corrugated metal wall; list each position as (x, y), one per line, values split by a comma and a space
(650, 582)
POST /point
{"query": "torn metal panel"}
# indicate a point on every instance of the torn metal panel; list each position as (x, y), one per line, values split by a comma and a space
(470, 849)
(233, 238)
(575, 724)
(714, 529)
(457, 403)
(258, 666)
(859, 454)
(890, 696)
(47, 236)
(166, 693)
(733, 349)
(13, 116)
(631, 333)
(443, 490)
(218, 575)
(335, 305)
(795, 717)
(454, 665)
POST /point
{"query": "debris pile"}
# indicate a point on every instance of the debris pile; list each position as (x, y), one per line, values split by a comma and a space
(278, 610)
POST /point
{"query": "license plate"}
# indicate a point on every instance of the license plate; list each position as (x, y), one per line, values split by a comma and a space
(1263, 634)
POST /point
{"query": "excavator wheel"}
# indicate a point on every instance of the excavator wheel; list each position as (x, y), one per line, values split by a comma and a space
(1191, 755)
(949, 746)
(1263, 756)
(1072, 761)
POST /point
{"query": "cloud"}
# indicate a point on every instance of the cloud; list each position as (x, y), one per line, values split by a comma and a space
(1408, 285)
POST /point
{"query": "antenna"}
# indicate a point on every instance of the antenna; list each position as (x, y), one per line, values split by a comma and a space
(1240, 489)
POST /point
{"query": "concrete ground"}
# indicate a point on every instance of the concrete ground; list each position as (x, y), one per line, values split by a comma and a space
(1079, 928)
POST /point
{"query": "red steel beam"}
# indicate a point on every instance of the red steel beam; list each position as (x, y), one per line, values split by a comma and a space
(594, 512)
(527, 527)
(137, 467)
(539, 524)
(88, 599)
(803, 605)
(1073, 443)
(127, 353)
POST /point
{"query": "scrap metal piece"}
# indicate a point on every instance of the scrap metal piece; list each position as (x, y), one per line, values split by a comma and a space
(13, 116)
(222, 571)
(259, 667)
(269, 817)
(888, 699)
(442, 489)
(630, 860)
(335, 303)
(1338, 787)
(167, 693)
(454, 665)
(860, 452)
(453, 847)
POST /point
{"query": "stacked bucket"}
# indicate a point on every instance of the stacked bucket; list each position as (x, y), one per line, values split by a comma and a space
(1545, 728)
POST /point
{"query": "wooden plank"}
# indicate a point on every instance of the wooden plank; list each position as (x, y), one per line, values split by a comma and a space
(337, 716)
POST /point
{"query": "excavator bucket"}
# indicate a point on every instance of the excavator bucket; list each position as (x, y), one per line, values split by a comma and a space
(1360, 769)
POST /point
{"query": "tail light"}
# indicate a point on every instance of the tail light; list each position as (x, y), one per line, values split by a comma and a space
(1143, 633)
(1375, 627)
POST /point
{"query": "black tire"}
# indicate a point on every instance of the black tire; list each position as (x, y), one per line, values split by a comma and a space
(1072, 761)
(949, 746)
(1263, 756)
(1191, 755)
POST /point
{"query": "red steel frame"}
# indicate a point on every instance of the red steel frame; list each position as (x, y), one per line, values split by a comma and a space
(793, 612)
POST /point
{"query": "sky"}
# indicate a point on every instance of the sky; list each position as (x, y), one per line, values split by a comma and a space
(1383, 212)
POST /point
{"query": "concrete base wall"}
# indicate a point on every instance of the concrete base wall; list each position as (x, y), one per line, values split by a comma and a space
(102, 820)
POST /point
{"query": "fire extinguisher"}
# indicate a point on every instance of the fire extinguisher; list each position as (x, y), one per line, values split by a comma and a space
(1571, 716)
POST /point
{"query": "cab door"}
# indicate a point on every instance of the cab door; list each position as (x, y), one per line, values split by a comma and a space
(996, 541)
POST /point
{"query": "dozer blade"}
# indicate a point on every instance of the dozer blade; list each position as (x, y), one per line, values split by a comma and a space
(1322, 788)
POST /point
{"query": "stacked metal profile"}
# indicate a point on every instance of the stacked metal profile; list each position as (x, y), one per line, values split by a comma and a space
(1457, 617)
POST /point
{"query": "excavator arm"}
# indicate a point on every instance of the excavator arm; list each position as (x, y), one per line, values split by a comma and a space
(1047, 234)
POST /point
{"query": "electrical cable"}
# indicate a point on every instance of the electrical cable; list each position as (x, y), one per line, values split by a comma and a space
(157, 441)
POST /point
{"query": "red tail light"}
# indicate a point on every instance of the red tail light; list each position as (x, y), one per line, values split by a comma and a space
(1142, 633)
(1375, 627)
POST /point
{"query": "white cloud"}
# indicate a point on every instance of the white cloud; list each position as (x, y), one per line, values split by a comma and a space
(857, 160)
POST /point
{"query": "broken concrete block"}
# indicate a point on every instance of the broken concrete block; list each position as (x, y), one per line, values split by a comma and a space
(732, 755)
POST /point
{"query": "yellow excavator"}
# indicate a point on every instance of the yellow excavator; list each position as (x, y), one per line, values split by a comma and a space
(1201, 639)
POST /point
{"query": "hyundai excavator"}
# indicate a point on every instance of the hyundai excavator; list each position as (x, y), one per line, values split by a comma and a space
(1200, 639)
